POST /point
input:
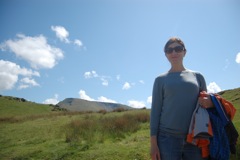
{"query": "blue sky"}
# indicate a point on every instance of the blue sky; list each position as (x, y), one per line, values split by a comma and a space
(112, 50)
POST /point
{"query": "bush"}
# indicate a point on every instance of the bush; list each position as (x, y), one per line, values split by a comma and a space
(120, 109)
(80, 131)
(94, 129)
(117, 127)
(142, 117)
(103, 111)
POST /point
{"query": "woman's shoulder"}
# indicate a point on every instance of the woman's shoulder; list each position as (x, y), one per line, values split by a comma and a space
(162, 75)
(160, 78)
(197, 73)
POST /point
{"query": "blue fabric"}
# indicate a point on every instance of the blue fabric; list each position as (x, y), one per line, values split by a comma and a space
(220, 111)
(219, 144)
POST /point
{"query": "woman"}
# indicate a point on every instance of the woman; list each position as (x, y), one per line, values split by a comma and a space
(174, 98)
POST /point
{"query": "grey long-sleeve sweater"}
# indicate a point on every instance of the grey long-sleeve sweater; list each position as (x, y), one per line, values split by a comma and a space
(174, 99)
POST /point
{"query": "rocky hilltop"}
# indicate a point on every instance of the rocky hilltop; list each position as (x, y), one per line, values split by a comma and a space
(75, 104)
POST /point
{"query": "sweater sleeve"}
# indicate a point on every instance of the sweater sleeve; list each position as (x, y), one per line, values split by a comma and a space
(201, 82)
(157, 97)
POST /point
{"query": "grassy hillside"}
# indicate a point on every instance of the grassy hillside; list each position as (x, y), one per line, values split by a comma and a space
(47, 134)
(234, 97)
(12, 106)
(115, 135)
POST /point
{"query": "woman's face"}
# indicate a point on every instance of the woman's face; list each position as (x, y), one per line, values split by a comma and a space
(175, 53)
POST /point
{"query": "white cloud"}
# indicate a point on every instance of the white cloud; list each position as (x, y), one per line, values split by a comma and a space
(53, 100)
(118, 77)
(238, 58)
(149, 100)
(27, 82)
(13, 68)
(126, 86)
(78, 42)
(136, 104)
(91, 74)
(10, 72)
(141, 81)
(132, 103)
(104, 81)
(7, 81)
(83, 95)
(104, 99)
(88, 75)
(35, 50)
(213, 88)
(23, 86)
(61, 33)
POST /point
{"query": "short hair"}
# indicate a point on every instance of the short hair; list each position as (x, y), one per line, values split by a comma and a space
(173, 40)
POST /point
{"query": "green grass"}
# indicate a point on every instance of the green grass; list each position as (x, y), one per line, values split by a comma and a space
(10, 107)
(234, 97)
(33, 131)
(47, 138)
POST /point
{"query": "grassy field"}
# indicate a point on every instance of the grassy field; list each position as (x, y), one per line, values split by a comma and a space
(33, 131)
(77, 136)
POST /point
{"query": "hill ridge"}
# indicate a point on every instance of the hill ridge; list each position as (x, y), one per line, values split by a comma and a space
(78, 104)
(14, 106)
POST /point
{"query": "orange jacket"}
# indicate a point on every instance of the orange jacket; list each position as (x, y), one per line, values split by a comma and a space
(203, 143)
(228, 107)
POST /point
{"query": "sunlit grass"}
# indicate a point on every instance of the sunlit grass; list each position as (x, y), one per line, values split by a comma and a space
(34, 131)
(76, 135)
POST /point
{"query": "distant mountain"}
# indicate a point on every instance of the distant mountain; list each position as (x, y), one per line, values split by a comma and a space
(75, 104)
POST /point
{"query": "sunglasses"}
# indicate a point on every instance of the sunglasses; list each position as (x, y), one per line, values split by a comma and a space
(177, 49)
